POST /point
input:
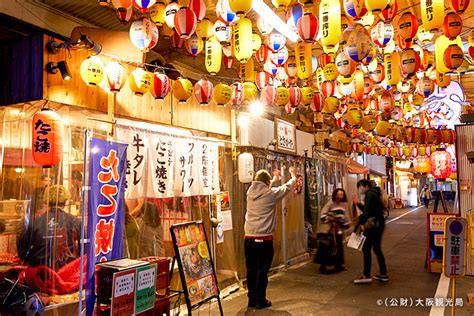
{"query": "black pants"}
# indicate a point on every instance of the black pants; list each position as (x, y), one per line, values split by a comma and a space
(258, 259)
(373, 241)
(426, 201)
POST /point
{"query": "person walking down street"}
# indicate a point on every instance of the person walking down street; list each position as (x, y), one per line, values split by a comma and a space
(260, 222)
(426, 195)
(372, 223)
(334, 219)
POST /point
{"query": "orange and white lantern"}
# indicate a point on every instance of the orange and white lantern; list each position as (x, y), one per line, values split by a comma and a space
(160, 86)
(47, 138)
(203, 90)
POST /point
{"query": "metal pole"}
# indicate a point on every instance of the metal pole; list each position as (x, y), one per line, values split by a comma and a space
(394, 178)
(81, 265)
(283, 217)
(453, 296)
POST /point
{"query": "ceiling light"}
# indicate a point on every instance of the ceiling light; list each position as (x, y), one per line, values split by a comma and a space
(63, 68)
(273, 19)
(243, 120)
(256, 108)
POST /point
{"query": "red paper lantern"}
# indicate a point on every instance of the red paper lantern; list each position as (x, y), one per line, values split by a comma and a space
(386, 102)
(238, 95)
(459, 6)
(47, 141)
(345, 66)
(203, 91)
(328, 88)
(176, 41)
(318, 101)
(124, 16)
(407, 26)
(185, 22)
(261, 54)
(269, 95)
(471, 51)
(199, 8)
(409, 62)
(324, 59)
(390, 11)
(452, 25)
(308, 28)
(295, 96)
(228, 62)
(440, 164)
(160, 86)
(262, 79)
(453, 57)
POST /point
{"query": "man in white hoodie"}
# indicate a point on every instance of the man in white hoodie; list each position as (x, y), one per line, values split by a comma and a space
(260, 222)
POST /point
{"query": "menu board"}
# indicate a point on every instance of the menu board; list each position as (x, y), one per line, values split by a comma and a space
(435, 225)
(285, 135)
(195, 263)
(123, 293)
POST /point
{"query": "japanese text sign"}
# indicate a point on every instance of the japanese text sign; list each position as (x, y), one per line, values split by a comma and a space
(146, 284)
(285, 135)
(454, 257)
(123, 293)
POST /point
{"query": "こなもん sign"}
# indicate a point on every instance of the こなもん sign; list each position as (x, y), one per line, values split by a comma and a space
(454, 256)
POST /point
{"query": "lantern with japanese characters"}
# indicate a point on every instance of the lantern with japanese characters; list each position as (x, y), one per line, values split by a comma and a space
(115, 76)
(308, 28)
(330, 19)
(422, 164)
(290, 67)
(303, 60)
(432, 14)
(354, 115)
(157, 13)
(182, 89)
(425, 86)
(383, 128)
(392, 72)
(213, 58)
(357, 86)
(330, 72)
(222, 94)
(194, 45)
(144, 34)
(160, 86)
(331, 105)
(224, 13)
(205, 29)
(409, 62)
(203, 91)
(440, 164)
(47, 138)
(269, 95)
(92, 71)
(459, 6)
(276, 41)
(306, 95)
(242, 40)
(407, 26)
(140, 81)
(358, 43)
(355, 8)
(222, 32)
(185, 22)
(261, 54)
(345, 65)
(283, 96)
(452, 25)
(442, 80)
(382, 33)
(247, 72)
(369, 123)
(453, 57)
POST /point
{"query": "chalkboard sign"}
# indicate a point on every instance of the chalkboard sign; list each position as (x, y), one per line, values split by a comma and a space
(196, 268)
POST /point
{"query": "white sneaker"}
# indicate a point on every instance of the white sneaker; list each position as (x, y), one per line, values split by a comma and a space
(363, 280)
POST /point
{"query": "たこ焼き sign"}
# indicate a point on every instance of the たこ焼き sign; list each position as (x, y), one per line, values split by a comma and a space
(285, 136)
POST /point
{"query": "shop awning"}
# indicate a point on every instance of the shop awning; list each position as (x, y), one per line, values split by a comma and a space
(355, 167)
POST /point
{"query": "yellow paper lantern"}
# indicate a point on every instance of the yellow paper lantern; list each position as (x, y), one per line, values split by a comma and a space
(205, 29)
(383, 128)
(354, 115)
(357, 86)
(256, 42)
(330, 71)
(369, 123)
(432, 14)
(281, 4)
(222, 94)
(470, 39)
(240, 7)
(442, 80)
(303, 60)
(331, 105)
(307, 94)
(283, 96)
(330, 23)
(319, 77)
(242, 39)
(376, 6)
(329, 120)
(441, 45)
(140, 81)
(157, 13)
(92, 71)
(213, 55)
(250, 91)
(247, 71)
(392, 72)
(182, 89)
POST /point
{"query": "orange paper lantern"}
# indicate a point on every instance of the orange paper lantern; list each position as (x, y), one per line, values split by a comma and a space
(47, 141)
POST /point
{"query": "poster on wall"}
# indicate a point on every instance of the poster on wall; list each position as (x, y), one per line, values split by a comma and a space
(285, 136)
(105, 214)
(195, 263)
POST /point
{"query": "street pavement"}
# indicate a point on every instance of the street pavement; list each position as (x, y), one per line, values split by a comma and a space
(302, 290)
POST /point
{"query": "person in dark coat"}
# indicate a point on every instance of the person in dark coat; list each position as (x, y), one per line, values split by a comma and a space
(372, 224)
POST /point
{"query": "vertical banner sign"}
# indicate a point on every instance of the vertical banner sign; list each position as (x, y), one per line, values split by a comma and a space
(187, 180)
(454, 257)
(105, 217)
(161, 156)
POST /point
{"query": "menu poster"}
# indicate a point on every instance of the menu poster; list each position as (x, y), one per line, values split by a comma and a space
(123, 293)
(285, 135)
(435, 227)
(195, 263)
(146, 284)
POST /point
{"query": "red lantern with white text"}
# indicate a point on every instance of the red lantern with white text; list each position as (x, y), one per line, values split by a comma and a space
(185, 22)
(203, 91)
(261, 54)
(440, 164)
(407, 26)
(47, 141)
(295, 96)
(269, 95)
(452, 25)
(160, 86)
(115, 76)
(453, 57)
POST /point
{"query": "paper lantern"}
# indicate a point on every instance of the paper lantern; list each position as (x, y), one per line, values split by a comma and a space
(143, 34)
(330, 72)
(355, 8)
(240, 7)
(199, 8)
(422, 164)
(115, 76)
(354, 115)
(425, 86)
(383, 128)
(242, 39)
(427, 60)
(319, 77)
(246, 167)
(176, 41)
(205, 29)
(269, 95)
(213, 55)
(378, 75)
(222, 31)
(459, 6)
(275, 41)
(330, 19)
(185, 22)
(203, 90)
(328, 88)
(263, 26)
(471, 51)
(440, 164)
(281, 4)
(396, 113)
(303, 60)
(442, 44)
(194, 45)
(238, 95)
(295, 96)
(222, 94)
(392, 72)
(344, 89)
(308, 28)
(452, 25)
(432, 14)
(369, 123)
(307, 94)
(262, 54)
(280, 57)
(357, 86)
(160, 86)
(124, 16)
(294, 13)
(442, 80)
(409, 62)
(423, 35)
(290, 67)
(92, 71)
(331, 105)
(47, 138)
(407, 26)
(453, 56)
(140, 81)
(368, 85)
(122, 5)
(182, 89)
(262, 79)
(250, 91)
(143, 5)
(283, 96)
(224, 13)
(389, 12)
(256, 42)
(376, 6)
(157, 14)
(358, 43)
(290, 110)
(271, 68)
(382, 33)
(247, 72)
(170, 12)
(345, 65)
(318, 101)
(386, 102)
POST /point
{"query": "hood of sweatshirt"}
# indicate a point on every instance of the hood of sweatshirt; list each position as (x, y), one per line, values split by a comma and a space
(376, 190)
(257, 189)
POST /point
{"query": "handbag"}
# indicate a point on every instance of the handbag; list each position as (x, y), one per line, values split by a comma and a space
(371, 223)
(356, 241)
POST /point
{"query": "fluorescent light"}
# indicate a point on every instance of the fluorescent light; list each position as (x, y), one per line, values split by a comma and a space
(270, 17)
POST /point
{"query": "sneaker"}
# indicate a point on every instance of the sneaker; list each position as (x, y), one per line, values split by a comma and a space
(363, 280)
(252, 304)
(264, 304)
(381, 278)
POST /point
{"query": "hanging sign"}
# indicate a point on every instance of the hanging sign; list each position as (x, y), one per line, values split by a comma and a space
(285, 135)
(455, 239)
(105, 216)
